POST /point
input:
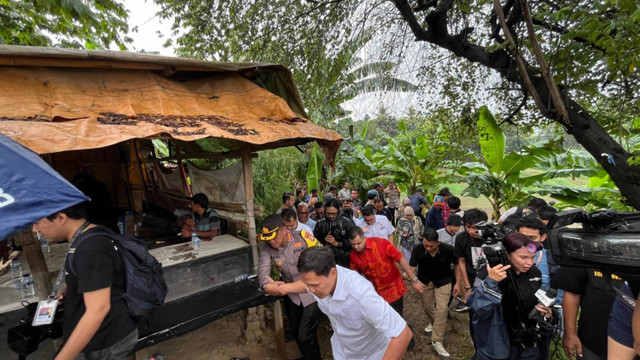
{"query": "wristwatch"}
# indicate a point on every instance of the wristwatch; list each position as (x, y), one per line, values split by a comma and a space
(263, 286)
(415, 279)
(467, 287)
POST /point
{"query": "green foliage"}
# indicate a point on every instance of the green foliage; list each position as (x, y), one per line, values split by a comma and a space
(508, 180)
(421, 152)
(274, 172)
(89, 24)
(314, 169)
(491, 140)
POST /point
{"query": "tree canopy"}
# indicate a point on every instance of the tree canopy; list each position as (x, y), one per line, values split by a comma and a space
(559, 61)
(87, 24)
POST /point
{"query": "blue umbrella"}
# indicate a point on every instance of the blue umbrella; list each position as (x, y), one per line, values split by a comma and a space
(29, 188)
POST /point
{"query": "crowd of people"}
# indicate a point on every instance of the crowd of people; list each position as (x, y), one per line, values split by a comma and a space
(392, 241)
(355, 260)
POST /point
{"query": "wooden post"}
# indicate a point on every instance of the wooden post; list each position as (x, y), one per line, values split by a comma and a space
(247, 174)
(279, 329)
(37, 264)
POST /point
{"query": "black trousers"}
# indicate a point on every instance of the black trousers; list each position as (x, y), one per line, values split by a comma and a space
(303, 323)
(397, 305)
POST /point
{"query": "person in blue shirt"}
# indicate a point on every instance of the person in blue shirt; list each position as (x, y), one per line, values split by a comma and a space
(535, 230)
(417, 200)
(434, 215)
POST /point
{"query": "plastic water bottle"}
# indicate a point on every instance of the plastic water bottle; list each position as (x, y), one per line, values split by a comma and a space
(27, 286)
(244, 277)
(16, 273)
(44, 244)
(195, 242)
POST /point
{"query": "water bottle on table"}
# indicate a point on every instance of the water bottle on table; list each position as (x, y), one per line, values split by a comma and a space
(244, 277)
(195, 242)
(44, 244)
(16, 273)
(27, 286)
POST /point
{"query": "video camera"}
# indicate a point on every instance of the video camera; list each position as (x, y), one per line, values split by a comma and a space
(25, 338)
(608, 240)
(493, 249)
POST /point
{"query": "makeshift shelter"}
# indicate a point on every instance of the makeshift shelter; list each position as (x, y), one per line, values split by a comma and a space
(99, 110)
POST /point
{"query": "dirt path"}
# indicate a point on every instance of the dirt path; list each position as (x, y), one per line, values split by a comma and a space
(224, 339)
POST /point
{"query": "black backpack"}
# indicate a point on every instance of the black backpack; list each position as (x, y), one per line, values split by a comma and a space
(145, 287)
(511, 222)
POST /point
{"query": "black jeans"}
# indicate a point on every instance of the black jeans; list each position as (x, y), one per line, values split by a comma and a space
(398, 305)
(303, 322)
(117, 351)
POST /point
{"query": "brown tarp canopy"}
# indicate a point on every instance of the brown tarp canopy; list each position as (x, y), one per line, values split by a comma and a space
(55, 100)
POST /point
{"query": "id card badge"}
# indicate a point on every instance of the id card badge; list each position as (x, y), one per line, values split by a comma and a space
(45, 312)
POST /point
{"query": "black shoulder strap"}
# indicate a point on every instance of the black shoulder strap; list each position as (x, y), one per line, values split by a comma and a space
(98, 230)
(519, 211)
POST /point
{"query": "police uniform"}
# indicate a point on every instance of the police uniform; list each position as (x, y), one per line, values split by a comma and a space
(302, 310)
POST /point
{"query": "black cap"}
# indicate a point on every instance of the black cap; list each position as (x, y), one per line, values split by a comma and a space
(454, 220)
(270, 227)
(200, 199)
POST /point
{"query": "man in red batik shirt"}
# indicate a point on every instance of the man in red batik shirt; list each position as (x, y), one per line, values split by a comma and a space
(375, 258)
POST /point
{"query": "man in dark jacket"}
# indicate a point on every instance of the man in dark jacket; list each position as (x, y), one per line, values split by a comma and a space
(333, 229)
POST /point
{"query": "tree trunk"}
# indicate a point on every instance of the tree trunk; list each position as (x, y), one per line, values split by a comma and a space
(582, 126)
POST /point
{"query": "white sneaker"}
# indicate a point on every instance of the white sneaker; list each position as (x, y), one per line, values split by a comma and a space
(428, 329)
(437, 346)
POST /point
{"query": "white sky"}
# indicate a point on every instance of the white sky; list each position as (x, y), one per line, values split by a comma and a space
(142, 13)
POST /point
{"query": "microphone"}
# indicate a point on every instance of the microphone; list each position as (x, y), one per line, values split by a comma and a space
(545, 299)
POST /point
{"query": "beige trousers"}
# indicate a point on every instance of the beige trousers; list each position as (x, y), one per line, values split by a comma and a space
(434, 302)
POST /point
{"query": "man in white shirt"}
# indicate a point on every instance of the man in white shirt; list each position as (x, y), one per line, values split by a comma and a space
(344, 193)
(290, 219)
(364, 324)
(303, 216)
(375, 225)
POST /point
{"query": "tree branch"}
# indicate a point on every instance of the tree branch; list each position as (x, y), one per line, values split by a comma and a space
(551, 82)
(562, 30)
(425, 5)
(509, 118)
(522, 67)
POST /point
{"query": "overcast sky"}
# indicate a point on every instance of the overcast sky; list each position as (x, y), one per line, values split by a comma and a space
(142, 13)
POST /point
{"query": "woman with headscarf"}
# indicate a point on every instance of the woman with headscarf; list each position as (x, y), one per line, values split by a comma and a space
(400, 212)
(410, 229)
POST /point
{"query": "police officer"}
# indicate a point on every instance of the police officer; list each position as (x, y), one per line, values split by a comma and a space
(283, 248)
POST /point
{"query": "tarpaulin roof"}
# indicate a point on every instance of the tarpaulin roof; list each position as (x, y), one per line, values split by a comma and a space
(56, 100)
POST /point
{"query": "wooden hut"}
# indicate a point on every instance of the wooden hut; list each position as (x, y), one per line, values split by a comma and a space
(97, 112)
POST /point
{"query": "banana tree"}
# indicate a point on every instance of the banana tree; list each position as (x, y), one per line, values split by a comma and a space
(504, 179)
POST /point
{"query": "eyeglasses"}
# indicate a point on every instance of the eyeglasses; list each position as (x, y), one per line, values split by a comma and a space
(302, 213)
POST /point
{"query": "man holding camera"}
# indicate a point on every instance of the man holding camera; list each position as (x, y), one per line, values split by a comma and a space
(96, 320)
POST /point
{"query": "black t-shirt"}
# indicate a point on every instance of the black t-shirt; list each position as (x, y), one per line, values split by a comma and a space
(596, 300)
(97, 264)
(470, 249)
(433, 268)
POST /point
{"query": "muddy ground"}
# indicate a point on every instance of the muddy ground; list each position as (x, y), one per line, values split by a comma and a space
(224, 339)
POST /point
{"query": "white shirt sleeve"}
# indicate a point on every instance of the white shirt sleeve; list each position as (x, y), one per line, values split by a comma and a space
(377, 312)
(388, 226)
(508, 213)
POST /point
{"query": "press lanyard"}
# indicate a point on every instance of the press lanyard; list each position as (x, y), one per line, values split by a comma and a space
(61, 274)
